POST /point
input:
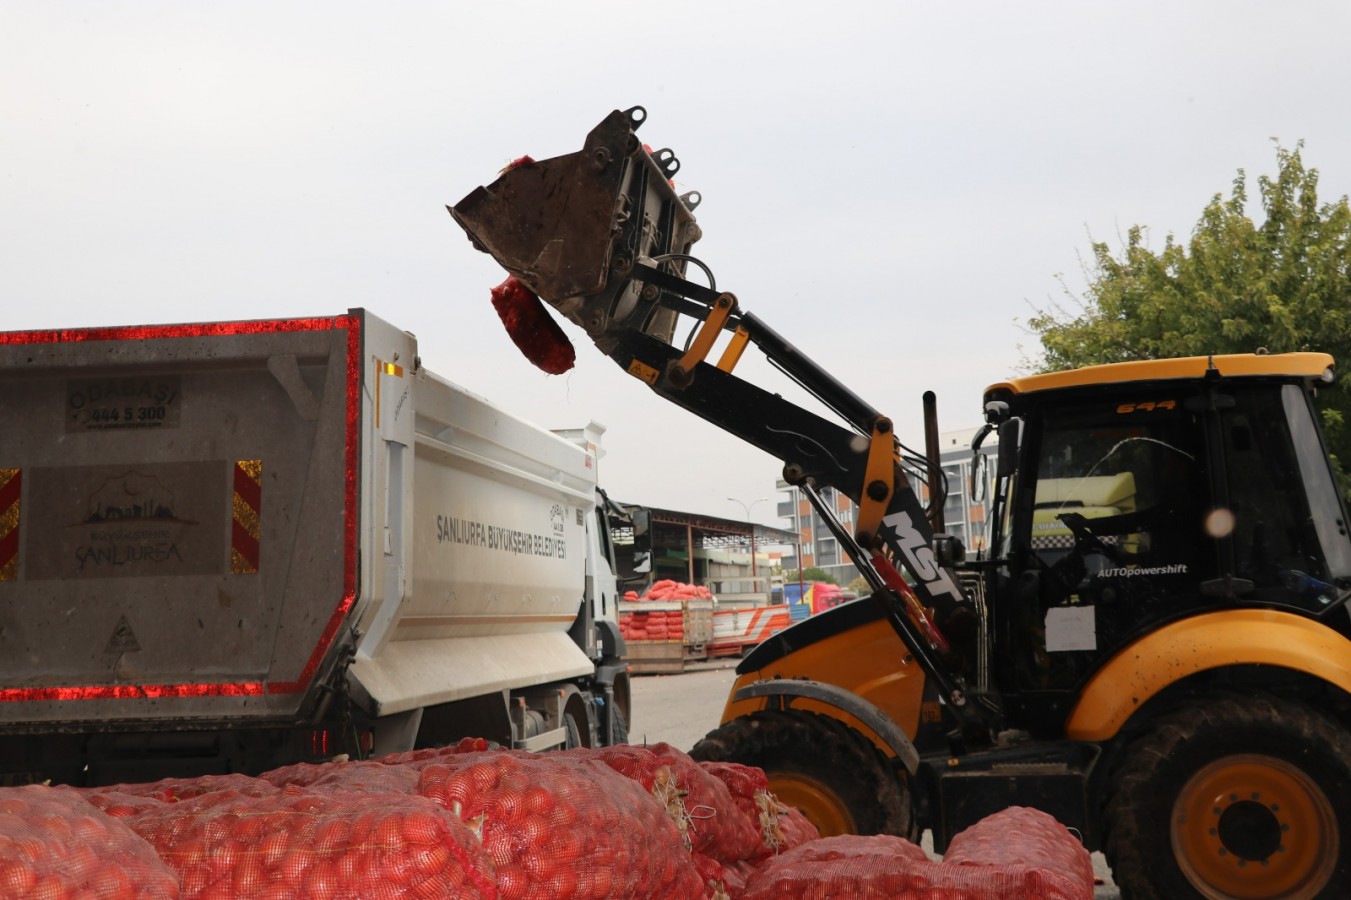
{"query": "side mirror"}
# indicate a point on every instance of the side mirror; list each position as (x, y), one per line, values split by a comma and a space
(978, 477)
(976, 489)
(642, 562)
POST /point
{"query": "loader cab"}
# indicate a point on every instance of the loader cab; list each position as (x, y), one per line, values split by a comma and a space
(1143, 493)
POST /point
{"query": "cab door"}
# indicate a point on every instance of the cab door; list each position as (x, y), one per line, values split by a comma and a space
(1110, 528)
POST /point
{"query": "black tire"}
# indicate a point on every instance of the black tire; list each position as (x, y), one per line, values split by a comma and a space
(828, 770)
(619, 726)
(574, 733)
(1239, 797)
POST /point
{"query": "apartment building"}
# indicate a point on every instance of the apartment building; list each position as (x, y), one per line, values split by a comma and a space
(816, 547)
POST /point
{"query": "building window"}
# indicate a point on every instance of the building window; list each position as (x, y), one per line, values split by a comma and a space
(827, 553)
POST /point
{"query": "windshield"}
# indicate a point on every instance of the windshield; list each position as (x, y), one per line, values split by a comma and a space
(1183, 489)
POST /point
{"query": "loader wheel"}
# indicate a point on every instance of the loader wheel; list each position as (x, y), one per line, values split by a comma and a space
(1242, 798)
(829, 771)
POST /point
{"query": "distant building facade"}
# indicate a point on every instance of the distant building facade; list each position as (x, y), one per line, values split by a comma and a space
(964, 517)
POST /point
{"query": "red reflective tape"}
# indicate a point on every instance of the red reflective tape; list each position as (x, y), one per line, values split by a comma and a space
(9, 551)
(248, 508)
(250, 491)
(153, 332)
(353, 452)
(9, 523)
(325, 641)
(245, 543)
(133, 691)
(350, 516)
(9, 491)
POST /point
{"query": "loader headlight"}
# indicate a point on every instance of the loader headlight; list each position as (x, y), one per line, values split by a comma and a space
(1329, 375)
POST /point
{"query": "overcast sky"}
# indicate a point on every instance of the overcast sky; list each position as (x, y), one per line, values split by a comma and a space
(890, 185)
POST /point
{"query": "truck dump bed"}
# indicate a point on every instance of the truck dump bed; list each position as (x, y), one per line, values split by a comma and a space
(178, 532)
(207, 524)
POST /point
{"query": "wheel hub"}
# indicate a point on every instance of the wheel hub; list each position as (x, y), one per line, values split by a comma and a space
(1254, 826)
(822, 806)
(1250, 830)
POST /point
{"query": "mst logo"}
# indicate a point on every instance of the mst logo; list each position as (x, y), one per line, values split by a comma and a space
(920, 556)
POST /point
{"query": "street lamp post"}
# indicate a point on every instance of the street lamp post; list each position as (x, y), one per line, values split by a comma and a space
(748, 509)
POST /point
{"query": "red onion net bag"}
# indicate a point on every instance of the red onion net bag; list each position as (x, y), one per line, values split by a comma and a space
(856, 866)
(366, 777)
(1019, 854)
(299, 843)
(430, 755)
(794, 827)
(1028, 845)
(706, 814)
(532, 327)
(777, 826)
(55, 844)
(298, 774)
(171, 790)
(558, 826)
(119, 805)
(394, 772)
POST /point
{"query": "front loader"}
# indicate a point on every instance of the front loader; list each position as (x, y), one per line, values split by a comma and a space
(1154, 646)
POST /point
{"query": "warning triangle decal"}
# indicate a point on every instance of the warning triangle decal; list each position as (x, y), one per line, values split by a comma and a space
(123, 639)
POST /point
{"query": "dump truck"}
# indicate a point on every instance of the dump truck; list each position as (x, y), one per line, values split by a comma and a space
(229, 546)
(1155, 647)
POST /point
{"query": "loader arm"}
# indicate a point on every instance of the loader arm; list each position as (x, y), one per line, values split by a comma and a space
(603, 238)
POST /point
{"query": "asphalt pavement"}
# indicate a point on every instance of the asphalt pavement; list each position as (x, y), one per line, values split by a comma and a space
(680, 709)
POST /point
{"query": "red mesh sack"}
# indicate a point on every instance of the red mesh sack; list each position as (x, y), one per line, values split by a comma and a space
(966, 881)
(360, 774)
(297, 774)
(171, 790)
(885, 866)
(559, 826)
(875, 866)
(302, 843)
(120, 805)
(778, 827)
(713, 875)
(735, 875)
(532, 328)
(703, 809)
(54, 843)
(370, 777)
(795, 829)
(1021, 838)
(433, 755)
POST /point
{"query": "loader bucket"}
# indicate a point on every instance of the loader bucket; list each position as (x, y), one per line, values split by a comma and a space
(571, 227)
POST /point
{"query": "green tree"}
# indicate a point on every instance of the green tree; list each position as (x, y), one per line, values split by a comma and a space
(1235, 286)
(859, 586)
(810, 574)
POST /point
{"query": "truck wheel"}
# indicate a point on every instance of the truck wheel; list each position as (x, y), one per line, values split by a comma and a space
(574, 733)
(839, 780)
(1243, 797)
(619, 728)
